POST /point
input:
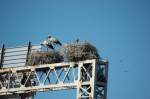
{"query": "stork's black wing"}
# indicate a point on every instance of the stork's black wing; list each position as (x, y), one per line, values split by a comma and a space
(50, 46)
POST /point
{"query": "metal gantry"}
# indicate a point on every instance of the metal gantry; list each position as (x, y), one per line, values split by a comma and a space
(89, 77)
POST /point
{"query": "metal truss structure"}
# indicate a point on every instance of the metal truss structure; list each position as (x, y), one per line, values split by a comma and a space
(89, 77)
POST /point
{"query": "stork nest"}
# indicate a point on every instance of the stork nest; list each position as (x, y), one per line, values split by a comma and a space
(68, 52)
(79, 51)
(43, 57)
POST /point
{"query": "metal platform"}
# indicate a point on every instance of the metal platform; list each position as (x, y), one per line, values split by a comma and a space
(83, 75)
(89, 77)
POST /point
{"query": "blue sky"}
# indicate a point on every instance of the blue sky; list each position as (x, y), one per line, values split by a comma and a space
(119, 28)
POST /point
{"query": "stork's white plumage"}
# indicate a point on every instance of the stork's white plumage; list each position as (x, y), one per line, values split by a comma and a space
(54, 41)
(44, 43)
(50, 42)
(47, 44)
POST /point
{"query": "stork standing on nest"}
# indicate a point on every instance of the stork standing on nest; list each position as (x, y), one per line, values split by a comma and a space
(47, 45)
(53, 40)
(50, 42)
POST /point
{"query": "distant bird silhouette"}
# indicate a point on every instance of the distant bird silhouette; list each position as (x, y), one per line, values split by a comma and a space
(126, 71)
(121, 61)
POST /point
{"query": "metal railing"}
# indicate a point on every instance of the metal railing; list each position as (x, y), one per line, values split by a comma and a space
(16, 56)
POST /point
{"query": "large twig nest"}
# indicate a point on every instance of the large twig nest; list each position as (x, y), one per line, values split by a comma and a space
(79, 51)
(43, 57)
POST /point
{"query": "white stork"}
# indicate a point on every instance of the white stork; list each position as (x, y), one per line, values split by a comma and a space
(53, 40)
(47, 44)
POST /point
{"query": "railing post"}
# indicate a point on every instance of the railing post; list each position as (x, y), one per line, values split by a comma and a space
(2, 56)
(28, 53)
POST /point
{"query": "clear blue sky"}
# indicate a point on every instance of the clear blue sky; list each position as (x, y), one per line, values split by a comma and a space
(119, 28)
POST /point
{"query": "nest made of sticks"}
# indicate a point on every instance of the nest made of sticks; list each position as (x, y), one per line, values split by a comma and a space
(79, 51)
(43, 57)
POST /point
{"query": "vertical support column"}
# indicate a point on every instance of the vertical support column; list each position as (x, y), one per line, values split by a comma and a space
(79, 80)
(102, 79)
(93, 80)
(106, 77)
(2, 56)
(86, 80)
